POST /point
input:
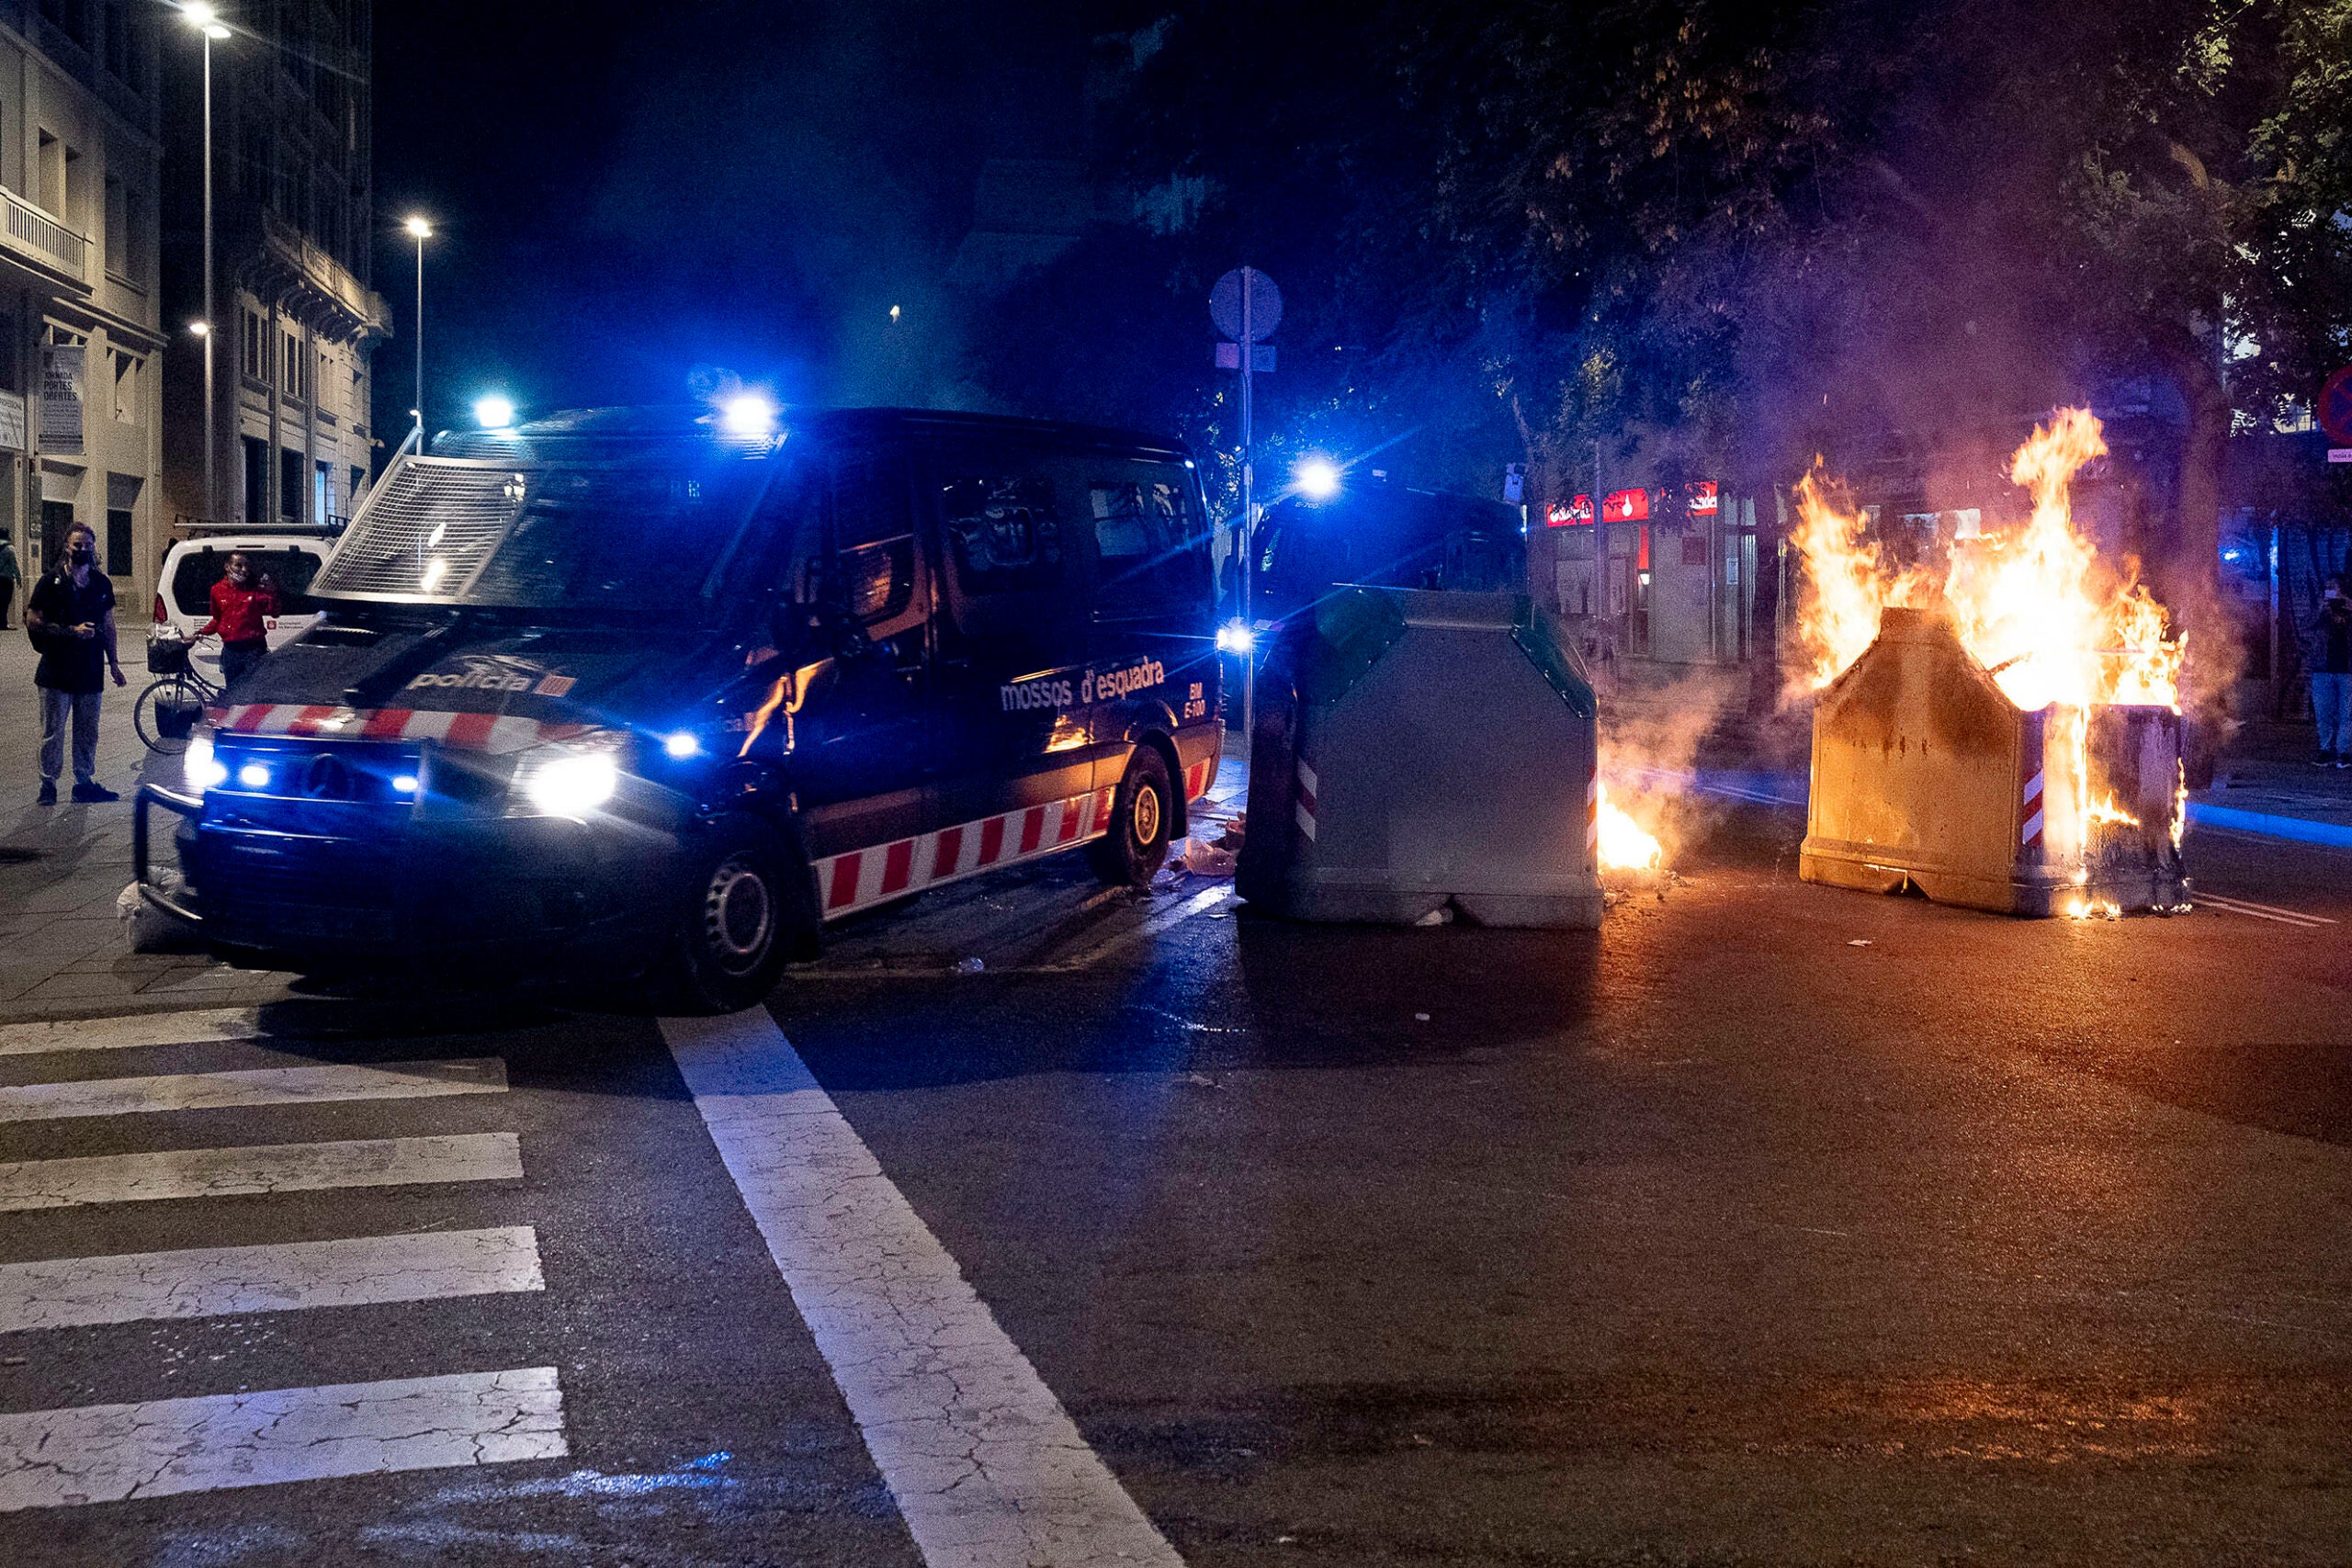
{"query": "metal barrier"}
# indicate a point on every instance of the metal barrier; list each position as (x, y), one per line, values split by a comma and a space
(181, 804)
(1418, 752)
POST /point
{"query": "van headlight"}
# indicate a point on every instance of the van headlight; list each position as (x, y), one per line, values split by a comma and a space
(571, 778)
(199, 767)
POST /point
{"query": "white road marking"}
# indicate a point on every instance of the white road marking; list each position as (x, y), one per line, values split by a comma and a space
(197, 1027)
(1198, 904)
(220, 1282)
(2260, 912)
(988, 1469)
(103, 1453)
(276, 1168)
(262, 1086)
(2235, 902)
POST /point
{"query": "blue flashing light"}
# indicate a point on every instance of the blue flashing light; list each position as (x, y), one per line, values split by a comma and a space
(404, 783)
(1235, 637)
(1317, 479)
(680, 745)
(495, 411)
(253, 775)
(748, 413)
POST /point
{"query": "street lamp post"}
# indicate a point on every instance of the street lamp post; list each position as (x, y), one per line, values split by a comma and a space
(206, 20)
(420, 231)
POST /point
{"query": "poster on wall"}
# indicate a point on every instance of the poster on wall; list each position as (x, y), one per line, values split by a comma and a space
(61, 399)
(12, 422)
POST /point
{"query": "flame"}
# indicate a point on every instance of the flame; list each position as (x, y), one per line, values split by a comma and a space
(1623, 846)
(2057, 627)
(2108, 810)
(1846, 584)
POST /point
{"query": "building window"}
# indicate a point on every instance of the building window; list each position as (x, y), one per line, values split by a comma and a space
(290, 484)
(122, 555)
(297, 363)
(253, 161)
(126, 388)
(254, 331)
(48, 171)
(134, 254)
(118, 40)
(117, 228)
(256, 479)
(72, 192)
(72, 16)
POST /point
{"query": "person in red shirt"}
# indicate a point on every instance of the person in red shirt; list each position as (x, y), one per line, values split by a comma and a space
(244, 611)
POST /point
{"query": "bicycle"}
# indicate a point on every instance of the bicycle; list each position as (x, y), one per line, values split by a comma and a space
(168, 707)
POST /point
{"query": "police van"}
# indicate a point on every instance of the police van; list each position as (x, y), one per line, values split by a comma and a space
(668, 691)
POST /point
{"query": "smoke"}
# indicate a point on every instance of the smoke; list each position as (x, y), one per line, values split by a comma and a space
(1651, 740)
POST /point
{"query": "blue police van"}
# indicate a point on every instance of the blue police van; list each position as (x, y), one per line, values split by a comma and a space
(669, 690)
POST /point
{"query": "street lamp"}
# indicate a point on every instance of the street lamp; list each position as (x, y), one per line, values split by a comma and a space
(206, 20)
(420, 231)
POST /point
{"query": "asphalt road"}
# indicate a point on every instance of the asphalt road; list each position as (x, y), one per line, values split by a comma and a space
(1709, 1237)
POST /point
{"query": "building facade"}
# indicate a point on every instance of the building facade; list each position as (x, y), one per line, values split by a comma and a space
(295, 322)
(82, 339)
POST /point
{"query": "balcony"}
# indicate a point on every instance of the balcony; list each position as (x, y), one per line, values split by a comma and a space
(33, 235)
(300, 272)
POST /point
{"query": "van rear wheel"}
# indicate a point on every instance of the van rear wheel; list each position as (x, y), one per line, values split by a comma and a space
(733, 932)
(1132, 852)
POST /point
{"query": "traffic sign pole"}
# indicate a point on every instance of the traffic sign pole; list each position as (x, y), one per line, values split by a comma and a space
(1249, 514)
(1245, 306)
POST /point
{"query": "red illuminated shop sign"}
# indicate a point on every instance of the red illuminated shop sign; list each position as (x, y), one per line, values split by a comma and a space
(1572, 512)
(1699, 497)
(1626, 506)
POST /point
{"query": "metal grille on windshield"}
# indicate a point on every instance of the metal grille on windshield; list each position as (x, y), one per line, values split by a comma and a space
(427, 530)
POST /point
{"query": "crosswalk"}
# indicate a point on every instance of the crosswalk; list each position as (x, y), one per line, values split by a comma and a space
(465, 1416)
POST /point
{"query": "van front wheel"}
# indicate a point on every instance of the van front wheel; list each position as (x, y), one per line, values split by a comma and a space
(1131, 853)
(731, 937)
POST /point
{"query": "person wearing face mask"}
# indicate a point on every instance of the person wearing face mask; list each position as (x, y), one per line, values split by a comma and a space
(245, 607)
(2331, 667)
(71, 619)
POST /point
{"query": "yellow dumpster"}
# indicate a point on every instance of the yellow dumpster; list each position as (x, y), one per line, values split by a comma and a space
(1925, 775)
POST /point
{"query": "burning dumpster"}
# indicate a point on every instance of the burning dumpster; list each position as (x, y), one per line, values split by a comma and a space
(1418, 752)
(2004, 730)
(1925, 775)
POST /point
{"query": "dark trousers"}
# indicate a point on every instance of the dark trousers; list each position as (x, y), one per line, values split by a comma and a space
(7, 600)
(236, 658)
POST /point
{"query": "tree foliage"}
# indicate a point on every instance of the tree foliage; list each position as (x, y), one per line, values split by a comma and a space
(1721, 236)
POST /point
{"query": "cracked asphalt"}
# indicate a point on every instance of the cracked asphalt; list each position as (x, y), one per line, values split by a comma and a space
(1709, 1237)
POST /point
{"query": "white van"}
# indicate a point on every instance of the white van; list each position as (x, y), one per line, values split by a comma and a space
(184, 597)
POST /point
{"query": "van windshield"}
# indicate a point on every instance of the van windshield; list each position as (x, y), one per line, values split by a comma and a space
(634, 529)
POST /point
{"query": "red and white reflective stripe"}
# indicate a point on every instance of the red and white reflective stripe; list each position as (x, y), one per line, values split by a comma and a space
(1196, 780)
(462, 731)
(847, 883)
(2029, 835)
(1303, 812)
(1592, 815)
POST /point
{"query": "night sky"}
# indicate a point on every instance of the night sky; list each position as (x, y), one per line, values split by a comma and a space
(621, 194)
